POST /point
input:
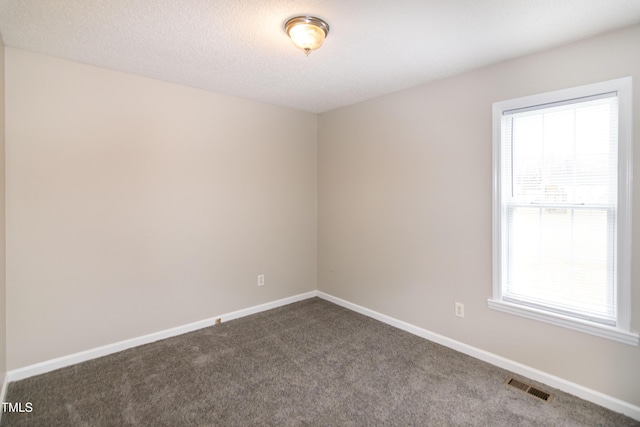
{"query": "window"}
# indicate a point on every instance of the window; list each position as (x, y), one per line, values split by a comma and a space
(562, 208)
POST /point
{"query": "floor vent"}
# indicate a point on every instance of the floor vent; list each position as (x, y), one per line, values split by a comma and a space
(529, 389)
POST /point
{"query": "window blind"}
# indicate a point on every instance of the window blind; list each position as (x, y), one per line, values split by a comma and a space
(559, 170)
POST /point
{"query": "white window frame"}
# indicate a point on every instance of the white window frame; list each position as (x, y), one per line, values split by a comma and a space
(621, 331)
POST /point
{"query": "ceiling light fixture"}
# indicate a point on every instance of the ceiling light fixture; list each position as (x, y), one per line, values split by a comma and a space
(307, 32)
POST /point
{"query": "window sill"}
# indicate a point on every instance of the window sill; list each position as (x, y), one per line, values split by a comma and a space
(603, 331)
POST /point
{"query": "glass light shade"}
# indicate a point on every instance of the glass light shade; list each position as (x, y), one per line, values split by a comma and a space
(307, 32)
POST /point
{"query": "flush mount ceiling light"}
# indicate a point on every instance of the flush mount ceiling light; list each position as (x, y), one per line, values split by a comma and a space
(307, 32)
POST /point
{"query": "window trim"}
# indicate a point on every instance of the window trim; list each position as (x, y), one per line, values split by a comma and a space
(621, 332)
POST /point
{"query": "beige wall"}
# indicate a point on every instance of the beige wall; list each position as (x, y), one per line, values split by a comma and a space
(404, 210)
(135, 205)
(3, 306)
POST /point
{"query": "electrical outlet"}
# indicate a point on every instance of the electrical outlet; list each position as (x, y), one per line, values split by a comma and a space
(459, 309)
(261, 280)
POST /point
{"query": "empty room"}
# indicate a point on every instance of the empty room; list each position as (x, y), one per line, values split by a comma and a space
(360, 212)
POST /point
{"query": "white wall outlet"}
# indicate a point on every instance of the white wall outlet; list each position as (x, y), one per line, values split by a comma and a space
(261, 280)
(459, 309)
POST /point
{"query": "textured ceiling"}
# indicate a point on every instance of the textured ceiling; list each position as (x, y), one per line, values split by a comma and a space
(238, 47)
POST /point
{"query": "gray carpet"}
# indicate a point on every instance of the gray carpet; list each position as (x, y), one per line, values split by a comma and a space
(308, 363)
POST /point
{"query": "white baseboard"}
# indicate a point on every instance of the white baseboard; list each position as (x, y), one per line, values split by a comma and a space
(582, 392)
(83, 356)
(3, 391)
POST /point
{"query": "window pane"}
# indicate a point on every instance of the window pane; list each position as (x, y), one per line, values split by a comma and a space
(564, 154)
(560, 258)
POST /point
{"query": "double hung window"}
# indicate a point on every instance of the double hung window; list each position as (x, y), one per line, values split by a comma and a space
(562, 208)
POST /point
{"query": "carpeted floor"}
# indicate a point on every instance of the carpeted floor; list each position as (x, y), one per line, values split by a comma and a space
(308, 363)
